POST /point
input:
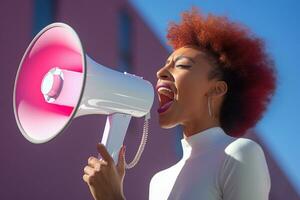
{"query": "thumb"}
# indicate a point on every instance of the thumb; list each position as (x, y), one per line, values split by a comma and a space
(121, 162)
(104, 153)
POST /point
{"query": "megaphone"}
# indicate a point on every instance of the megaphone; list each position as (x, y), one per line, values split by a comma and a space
(56, 82)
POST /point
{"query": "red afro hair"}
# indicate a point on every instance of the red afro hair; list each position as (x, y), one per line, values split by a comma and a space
(241, 61)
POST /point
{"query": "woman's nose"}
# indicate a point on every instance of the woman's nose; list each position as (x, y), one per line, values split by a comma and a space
(163, 73)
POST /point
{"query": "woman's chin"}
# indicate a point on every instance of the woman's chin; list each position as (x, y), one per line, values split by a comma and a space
(167, 126)
(166, 122)
(166, 117)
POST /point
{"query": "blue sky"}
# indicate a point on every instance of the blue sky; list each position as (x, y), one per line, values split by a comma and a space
(277, 22)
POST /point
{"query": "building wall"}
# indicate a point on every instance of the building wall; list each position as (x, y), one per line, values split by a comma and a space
(54, 170)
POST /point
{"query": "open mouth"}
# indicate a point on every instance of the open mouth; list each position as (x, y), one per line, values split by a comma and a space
(166, 98)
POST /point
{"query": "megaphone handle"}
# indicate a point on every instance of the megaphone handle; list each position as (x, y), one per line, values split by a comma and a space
(114, 133)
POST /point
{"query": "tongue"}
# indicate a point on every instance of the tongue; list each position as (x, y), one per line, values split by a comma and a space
(165, 100)
(165, 103)
(165, 107)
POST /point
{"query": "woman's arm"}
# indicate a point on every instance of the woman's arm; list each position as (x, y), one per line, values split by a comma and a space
(245, 172)
(104, 178)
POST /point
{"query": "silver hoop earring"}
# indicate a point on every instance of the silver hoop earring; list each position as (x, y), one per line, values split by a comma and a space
(209, 107)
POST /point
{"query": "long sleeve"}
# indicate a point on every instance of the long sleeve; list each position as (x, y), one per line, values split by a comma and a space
(245, 174)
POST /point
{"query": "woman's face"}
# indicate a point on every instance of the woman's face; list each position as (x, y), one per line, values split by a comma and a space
(183, 87)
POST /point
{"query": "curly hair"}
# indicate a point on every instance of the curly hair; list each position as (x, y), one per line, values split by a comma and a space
(241, 61)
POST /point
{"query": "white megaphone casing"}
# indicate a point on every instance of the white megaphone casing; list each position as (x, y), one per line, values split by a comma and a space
(56, 82)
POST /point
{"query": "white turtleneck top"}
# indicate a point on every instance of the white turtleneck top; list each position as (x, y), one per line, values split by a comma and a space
(214, 166)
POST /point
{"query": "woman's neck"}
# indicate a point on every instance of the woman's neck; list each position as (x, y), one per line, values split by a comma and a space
(194, 128)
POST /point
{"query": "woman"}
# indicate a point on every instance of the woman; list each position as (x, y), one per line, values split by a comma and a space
(216, 84)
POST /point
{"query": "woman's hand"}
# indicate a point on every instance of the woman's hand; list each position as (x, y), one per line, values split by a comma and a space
(104, 178)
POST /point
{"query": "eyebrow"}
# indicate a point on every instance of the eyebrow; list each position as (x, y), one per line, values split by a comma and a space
(180, 57)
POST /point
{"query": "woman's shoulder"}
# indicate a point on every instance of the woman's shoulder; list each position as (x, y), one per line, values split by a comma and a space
(245, 169)
(243, 154)
(243, 147)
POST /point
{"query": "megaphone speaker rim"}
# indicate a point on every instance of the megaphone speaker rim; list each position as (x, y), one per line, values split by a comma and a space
(84, 70)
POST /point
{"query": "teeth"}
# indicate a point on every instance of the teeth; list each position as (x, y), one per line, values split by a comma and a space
(166, 91)
(164, 88)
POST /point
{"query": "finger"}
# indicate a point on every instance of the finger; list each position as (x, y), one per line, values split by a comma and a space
(92, 161)
(88, 179)
(85, 178)
(95, 163)
(104, 153)
(102, 162)
(88, 170)
(121, 161)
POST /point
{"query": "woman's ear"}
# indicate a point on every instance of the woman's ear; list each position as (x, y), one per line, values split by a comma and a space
(219, 89)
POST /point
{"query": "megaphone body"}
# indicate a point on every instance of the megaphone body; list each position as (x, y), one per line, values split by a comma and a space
(56, 82)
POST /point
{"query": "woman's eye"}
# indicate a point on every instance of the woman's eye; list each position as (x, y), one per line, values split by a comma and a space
(183, 66)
